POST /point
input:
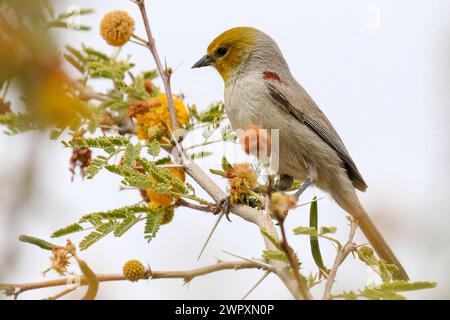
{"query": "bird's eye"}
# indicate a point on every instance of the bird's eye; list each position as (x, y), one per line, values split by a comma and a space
(222, 51)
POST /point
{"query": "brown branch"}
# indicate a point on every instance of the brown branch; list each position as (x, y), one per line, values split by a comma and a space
(340, 257)
(163, 72)
(295, 266)
(261, 219)
(184, 203)
(187, 275)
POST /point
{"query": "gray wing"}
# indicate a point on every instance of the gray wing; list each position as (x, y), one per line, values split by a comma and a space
(306, 111)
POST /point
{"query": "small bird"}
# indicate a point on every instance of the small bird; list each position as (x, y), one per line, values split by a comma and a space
(260, 90)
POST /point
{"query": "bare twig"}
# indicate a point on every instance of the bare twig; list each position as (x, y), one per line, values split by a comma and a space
(163, 72)
(187, 275)
(62, 293)
(262, 264)
(184, 203)
(340, 257)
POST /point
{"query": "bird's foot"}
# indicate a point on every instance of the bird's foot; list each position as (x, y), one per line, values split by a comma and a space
(303, 187)
(224, 206)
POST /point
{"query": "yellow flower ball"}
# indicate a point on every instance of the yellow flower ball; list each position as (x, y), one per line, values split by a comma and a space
(158, 116)
(158, 200)
(134, 270)
(117, 27)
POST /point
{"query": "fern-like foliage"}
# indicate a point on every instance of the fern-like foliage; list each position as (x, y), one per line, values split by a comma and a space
(385, 291)
(117, 221)
(385, 270)
(105, 143)
(152, 224)
(275, 255)
(101, 231)
(131, 153)
(132, 177)
(96, 166)
(17, 122)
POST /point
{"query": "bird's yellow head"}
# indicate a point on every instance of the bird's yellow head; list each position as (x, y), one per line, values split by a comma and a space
(229, 50)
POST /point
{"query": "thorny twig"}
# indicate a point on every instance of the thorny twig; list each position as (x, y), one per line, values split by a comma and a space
(163, 72)
(340, 257)
(186, 275)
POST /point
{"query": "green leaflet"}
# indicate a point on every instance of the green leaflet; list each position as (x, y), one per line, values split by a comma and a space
(226, 166)
(153, 148)
(119, 220)
(17, 122)
(96, 166)
(213, 114)
(400, 285)
(99, 142)
(386, 291)
(126, 225)
(275, 255)
(326, 230)
(76, 53)
(384, 269)
(276, 242)
(100, 232)
(131, 154)
(152, 224)
(166, 177)
(132, 177)
(306, 231)
(74, 62)
(75, 227)
(119, 213)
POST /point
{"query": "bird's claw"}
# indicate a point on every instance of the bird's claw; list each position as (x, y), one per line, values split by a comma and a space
(224, 206)
(303, 187)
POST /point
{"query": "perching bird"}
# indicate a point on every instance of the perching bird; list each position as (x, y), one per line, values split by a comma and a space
(260, 90)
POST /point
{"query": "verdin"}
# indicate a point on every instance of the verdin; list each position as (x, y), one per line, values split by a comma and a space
(260, 90)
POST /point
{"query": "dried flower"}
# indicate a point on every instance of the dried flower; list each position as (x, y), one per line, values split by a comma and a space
(148, 85)
(81, 158)
(60, 258)
(280, 204)
(117, 27)
(242, 178)
(138, 108)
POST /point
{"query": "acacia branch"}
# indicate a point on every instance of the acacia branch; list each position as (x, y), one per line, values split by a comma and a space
(184, 203)
(295, 266)
(186, 275)
(340, 257)
(163, 72)
(261, 219)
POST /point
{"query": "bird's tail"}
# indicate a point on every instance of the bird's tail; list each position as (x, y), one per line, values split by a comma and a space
(354, 207)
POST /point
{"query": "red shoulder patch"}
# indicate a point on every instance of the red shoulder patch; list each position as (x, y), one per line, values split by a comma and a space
(269, 75)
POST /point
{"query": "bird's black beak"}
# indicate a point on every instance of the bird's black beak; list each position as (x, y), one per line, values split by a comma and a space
(203, 62)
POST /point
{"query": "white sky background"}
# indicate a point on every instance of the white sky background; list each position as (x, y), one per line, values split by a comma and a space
(380, 71)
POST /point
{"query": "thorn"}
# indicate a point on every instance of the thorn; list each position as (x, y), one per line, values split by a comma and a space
(211, 233)
(265, 274)
(262, 264)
